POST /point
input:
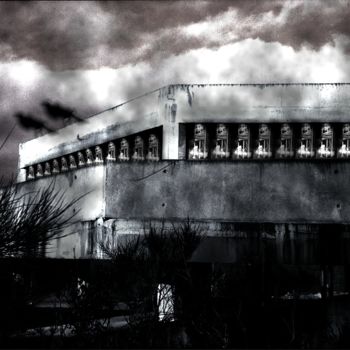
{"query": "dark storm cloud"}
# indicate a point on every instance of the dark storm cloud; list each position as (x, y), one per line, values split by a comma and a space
(311, 23)
(72, 35)
(57, 111)
(67, 35)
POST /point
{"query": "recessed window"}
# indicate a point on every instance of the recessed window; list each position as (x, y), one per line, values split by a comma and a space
(344, 150)
(153, 148)
(55, 167)
(221, 150)
(138, 149)
(285, 150)
(264, 142)
(326, 149)
(47, 169)
(98, 155)
(30, 173)
(64, 164)
(111, 152)
(124, 150)
(306, 144)
(89, 156)
(81, 159)
(72, 162)
(199, 145)
(242, 150)
(39, 170)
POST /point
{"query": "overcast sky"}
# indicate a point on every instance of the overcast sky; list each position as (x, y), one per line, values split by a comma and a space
(90, 56)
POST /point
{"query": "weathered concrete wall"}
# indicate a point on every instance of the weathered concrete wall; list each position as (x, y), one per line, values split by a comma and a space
(87, 183)
(140, 114)
(254, 191)
(74, 245)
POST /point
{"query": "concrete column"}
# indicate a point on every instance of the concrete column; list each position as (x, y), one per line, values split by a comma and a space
(21, 173)
(170, 126)
(170, 133)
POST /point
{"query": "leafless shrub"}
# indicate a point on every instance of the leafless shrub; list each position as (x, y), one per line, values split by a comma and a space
(29, 222)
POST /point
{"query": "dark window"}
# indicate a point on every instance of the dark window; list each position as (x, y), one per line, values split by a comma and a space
(64, 164)
(138, 149)
(285, 149)
(30, 173)
(326, 149)
(153, 148)
(111, 151)
(344, 150)
(306, 143)
(55, 167)
(199, 144)
(72, 162)
(89, 156)
(39, 170)
(221, 148)
(81, 159)
(242, 149)
(47, 169)
(124, 150)
(264, 142)
(98, 155)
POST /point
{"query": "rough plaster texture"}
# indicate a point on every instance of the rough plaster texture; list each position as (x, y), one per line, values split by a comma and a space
(252, 191)
(87, 183)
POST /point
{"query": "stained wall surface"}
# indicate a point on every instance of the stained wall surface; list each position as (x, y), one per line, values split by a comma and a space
(263, 103)
(85, 186)
(253, 191)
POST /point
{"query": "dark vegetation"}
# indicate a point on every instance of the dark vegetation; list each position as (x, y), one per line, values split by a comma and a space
(29, 222)
(117, 302)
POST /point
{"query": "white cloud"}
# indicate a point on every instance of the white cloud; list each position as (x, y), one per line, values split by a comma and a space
(24, 73)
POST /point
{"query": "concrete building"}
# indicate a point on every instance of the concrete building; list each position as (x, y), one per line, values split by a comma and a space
(244, 160)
